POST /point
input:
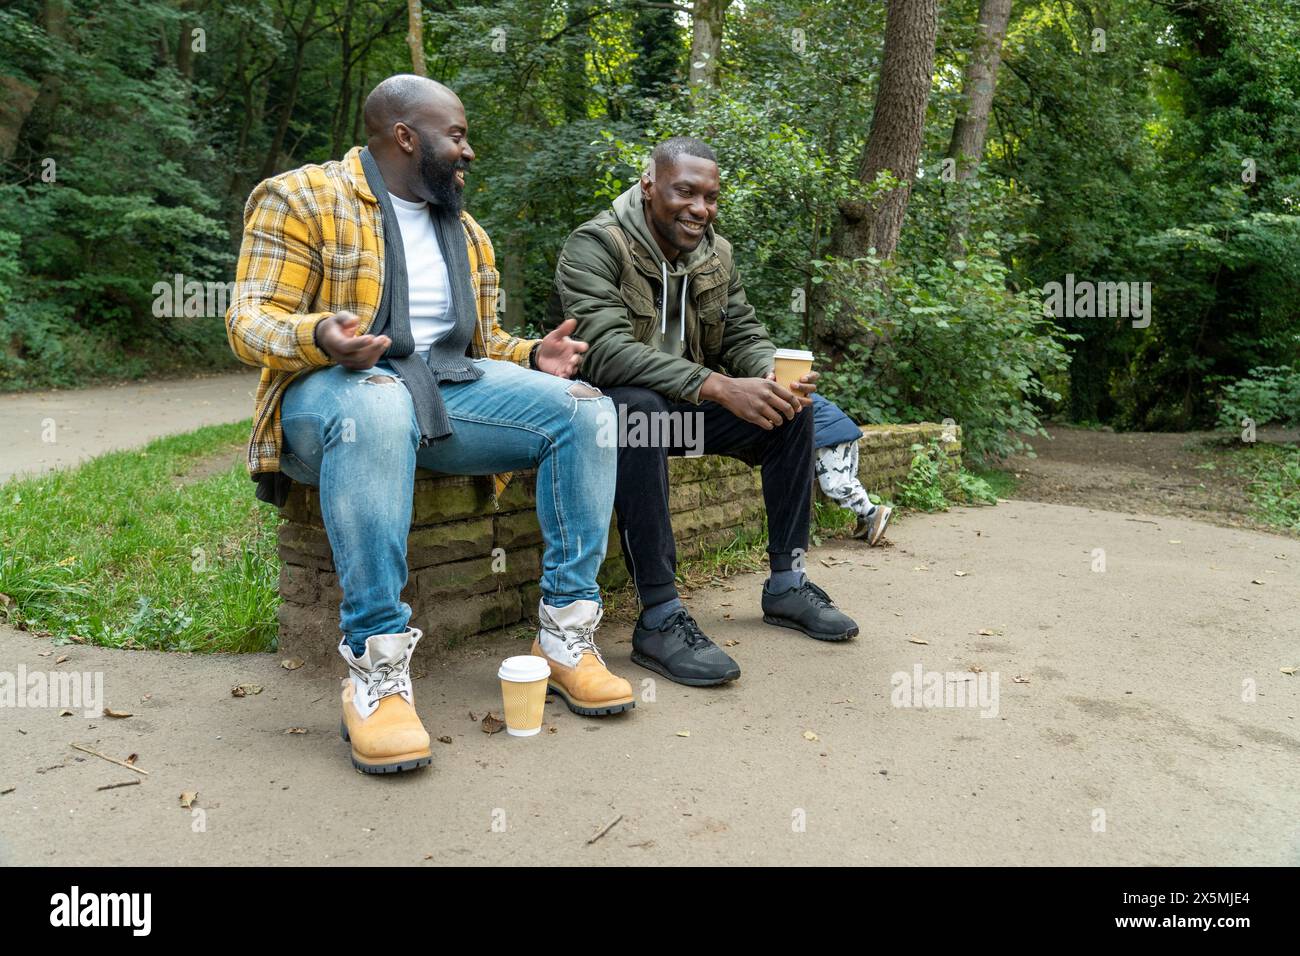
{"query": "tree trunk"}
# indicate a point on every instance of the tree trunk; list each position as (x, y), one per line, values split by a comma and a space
(185, 45)
(708, 20)
(897, 130)
(41, 116)
(290, 96)
(893, 143)
(16, 101)
(415, 36)
(972, 125)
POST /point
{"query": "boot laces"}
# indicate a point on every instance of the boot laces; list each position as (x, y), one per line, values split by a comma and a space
(386, 680)
(584, 641)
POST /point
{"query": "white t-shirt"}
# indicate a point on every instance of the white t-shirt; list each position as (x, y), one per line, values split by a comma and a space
(426, 274)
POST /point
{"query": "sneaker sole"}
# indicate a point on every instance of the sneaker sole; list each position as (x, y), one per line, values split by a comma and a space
(649, 663)
(815, 635)
(590, 708)
(412, 761)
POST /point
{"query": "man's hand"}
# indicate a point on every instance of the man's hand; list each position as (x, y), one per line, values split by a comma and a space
(757, 400)
(336, 335)
(804, 387)
(557, 354)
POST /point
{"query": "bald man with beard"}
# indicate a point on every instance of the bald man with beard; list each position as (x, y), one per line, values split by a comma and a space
(368, 298)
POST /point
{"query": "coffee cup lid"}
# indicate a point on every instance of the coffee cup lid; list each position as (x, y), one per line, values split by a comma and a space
(798, 355)
(524, 669)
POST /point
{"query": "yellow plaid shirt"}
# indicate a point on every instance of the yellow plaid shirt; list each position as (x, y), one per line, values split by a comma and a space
(313, 245)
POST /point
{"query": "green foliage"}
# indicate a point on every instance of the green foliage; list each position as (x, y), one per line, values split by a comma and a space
(99, 225)
(934, 482)
(1114, 164)
(948, 340)
(1268, 395)
(1275, 490)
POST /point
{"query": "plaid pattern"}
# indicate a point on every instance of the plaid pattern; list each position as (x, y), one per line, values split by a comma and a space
(313, 245)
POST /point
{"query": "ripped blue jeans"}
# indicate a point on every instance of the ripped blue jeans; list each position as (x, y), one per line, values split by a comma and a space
(354, 435)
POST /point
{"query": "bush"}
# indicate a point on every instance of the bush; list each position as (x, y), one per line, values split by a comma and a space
(933, 484)
(945, 340)
(1270, 394)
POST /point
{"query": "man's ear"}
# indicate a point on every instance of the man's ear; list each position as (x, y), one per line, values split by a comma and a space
(646, 184)
(405, 137)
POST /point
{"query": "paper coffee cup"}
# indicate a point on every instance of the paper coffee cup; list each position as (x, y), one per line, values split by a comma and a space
(523, 691)
(792, 365)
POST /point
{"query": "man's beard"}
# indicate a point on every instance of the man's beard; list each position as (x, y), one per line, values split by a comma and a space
(439, 178)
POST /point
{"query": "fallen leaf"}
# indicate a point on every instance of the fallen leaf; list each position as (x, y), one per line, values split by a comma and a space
(61, 658)
(960, 574)
(118, 714)
(1289, 671)
(146, 698)
(916, 640)
(296, 730)
(730, 643)
(76, 639)
(132, 758)
(553, 730)
(492, 724)
(245, 690)
(985, 632)
(188, 797)
(976, 669)
(683, 733)
(809, 735)
(1174, 541)
(920, 567)
(44, 653)
(291, 663)
(65, 713)
(1256, 581)
(1017, 679)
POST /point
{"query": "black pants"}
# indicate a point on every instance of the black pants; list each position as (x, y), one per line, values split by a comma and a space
(641, 497)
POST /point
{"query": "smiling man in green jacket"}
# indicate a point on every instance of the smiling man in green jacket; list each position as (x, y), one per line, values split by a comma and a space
(677, 346)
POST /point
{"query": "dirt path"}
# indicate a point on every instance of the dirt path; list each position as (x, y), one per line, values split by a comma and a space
(57, 429)
(1189, 474)
(1121, 734)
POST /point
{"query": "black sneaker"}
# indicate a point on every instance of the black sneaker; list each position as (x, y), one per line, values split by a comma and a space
(679, 651)
(809, 609)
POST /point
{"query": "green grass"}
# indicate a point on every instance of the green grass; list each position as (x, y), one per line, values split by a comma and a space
(1002, 483)
(120, 552)
(1273, 482)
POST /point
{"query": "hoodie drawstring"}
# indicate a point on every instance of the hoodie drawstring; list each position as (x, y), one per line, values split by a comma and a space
(682, 312)
(663, 301)
(663, 309)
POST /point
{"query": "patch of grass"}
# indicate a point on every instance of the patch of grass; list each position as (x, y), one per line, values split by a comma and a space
(1001, 483)
(1274, 484)
(122, 552)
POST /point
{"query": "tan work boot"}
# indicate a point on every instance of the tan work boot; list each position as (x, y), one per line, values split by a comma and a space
(379, 718)
(566, 639)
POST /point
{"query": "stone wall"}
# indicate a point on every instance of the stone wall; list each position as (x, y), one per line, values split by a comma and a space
(458, 585)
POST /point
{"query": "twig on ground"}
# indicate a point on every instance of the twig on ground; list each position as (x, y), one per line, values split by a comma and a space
(605, 829)
(120, 763)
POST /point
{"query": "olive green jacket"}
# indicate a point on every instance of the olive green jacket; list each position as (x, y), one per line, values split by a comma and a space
(610, 278)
